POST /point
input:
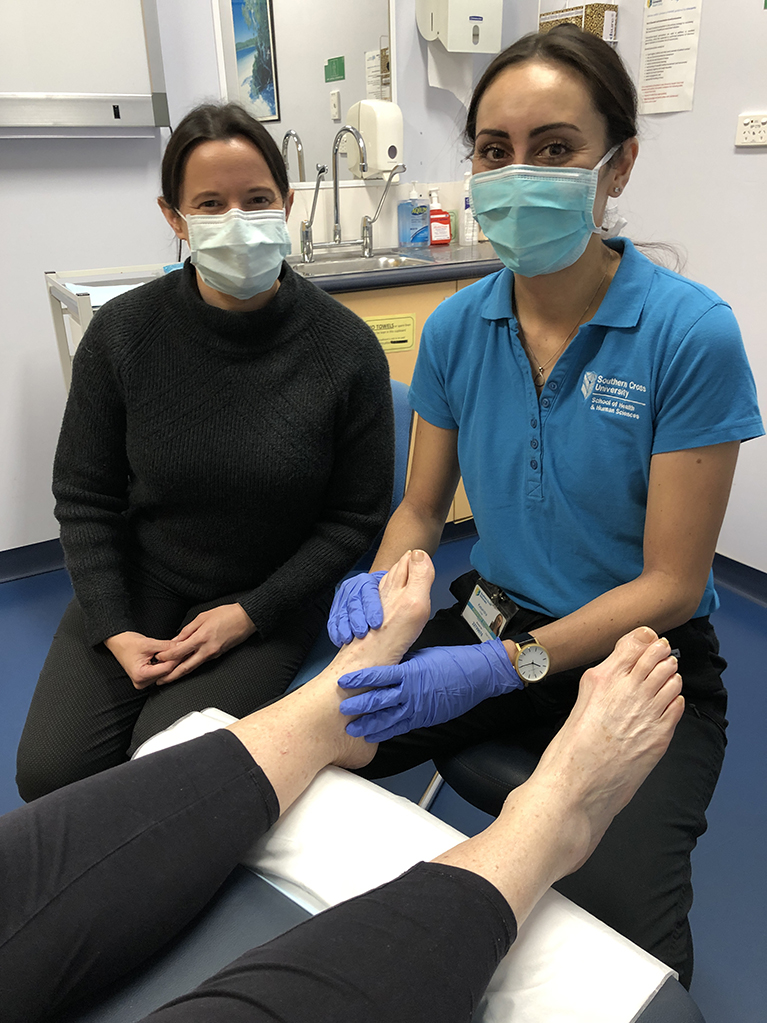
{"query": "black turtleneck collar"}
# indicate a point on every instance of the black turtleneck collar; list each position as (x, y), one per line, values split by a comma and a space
(235, 330)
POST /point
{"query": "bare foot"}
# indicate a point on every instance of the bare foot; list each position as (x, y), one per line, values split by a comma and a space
(303, 732)
(620, 727)
(622, 722)
(404, 592)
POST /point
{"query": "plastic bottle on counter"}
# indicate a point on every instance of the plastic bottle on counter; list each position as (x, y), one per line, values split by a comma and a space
(413, 221)
(469, 226)
(439, 220)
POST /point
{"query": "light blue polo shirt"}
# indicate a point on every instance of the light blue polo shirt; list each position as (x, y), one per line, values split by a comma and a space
(558, 484)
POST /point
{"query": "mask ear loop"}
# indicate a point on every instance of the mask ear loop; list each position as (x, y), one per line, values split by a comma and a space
(179, 241)
(612, 223)
(608, 156)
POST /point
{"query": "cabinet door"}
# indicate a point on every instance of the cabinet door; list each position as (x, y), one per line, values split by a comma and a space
(461, 509)
(418, 301)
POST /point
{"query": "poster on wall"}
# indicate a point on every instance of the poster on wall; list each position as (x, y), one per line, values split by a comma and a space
(598, 18)
(669, 55)
(255, 55)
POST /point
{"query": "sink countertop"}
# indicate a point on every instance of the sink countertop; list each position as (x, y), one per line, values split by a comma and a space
(445, 263)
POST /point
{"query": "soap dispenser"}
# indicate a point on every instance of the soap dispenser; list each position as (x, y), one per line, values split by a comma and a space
(413, 221)
(469, 226)
(439, 220)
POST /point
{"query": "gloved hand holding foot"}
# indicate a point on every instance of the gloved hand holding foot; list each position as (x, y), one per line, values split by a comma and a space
(356, 608)
(435, 685)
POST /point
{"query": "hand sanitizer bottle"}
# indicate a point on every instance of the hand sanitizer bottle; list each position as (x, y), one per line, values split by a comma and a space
(412, 221)
(439, 220)
(469, 226)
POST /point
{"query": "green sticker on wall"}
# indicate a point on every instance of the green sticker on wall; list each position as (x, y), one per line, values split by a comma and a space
(335, 69)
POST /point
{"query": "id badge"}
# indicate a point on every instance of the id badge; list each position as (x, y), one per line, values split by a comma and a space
(488, 610)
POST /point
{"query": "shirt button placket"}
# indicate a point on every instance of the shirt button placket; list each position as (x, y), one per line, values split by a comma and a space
(534, 479)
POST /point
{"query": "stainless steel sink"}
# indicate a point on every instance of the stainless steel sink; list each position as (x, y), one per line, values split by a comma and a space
(356, 264)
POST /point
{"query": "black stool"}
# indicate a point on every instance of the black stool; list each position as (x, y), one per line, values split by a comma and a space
(485, 774)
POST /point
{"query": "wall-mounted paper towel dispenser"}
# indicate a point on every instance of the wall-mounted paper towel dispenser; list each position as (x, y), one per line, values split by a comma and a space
(462, 26)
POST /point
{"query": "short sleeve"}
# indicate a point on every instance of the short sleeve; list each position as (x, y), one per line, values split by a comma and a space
(706, 392)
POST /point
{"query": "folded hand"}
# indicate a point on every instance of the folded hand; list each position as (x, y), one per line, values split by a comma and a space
(138, 656)
(207, 636)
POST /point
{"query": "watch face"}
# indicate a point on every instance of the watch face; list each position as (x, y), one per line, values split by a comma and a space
(532, 663)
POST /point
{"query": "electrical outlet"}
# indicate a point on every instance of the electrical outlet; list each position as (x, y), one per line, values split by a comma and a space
(752, 130)
(335, 104)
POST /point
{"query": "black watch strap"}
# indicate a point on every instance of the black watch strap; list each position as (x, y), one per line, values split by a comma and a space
(522, 637)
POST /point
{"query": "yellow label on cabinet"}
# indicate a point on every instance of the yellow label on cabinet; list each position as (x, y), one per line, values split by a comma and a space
(396, 333)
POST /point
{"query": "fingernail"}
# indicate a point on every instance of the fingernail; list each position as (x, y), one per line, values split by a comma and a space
(417, 556)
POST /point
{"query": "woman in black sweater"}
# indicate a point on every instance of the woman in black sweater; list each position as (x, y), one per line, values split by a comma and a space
(226, 455)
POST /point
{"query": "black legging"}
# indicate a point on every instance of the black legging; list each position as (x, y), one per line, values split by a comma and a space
(85, 715)
(99, 875)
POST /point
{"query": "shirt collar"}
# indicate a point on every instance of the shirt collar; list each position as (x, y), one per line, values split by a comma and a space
(622, 305)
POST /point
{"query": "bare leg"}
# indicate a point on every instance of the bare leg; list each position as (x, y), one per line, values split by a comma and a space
(619, 728)
(296, 737)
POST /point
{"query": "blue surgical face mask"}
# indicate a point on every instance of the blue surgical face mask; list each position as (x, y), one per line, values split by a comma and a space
(539, 219)
(239, 252)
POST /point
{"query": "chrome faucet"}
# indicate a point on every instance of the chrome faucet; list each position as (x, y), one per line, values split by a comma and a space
(346, 130)
(307, 241)
(291, 134)
(366, 241)
(367, 222)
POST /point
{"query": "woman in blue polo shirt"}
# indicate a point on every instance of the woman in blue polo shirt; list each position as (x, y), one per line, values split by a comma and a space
(594, 403)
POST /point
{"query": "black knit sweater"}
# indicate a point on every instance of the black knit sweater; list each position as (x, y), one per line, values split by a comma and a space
(237, 456)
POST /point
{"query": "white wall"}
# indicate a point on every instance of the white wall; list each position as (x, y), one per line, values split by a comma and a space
(66, 204)
(691, 187)
(307, 33)
(73, 204)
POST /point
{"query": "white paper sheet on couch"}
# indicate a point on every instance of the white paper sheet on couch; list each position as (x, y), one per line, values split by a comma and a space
(346, 835)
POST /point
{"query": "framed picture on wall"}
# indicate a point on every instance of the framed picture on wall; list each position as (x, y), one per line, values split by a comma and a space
(248, 55)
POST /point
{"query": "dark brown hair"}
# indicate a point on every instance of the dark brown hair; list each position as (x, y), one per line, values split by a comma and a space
(601, 69)
(216, 122)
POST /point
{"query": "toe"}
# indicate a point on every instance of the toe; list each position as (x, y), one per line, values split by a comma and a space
(656, 664)
(631, 647)
(421, 571)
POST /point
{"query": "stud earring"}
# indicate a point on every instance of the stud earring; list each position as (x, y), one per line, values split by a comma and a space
(617, 190)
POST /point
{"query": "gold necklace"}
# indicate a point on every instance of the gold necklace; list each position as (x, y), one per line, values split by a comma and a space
(540, 371)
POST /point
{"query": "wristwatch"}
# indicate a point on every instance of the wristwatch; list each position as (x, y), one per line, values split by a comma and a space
(531, 661)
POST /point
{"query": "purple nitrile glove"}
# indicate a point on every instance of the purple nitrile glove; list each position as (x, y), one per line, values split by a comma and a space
(435, 685)
(356, 608)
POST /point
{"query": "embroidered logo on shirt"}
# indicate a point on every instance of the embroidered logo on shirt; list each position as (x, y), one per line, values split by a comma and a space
(589, 379)
(614, 396)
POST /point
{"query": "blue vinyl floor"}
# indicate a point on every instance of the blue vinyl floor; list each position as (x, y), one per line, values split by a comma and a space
(730, 910)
